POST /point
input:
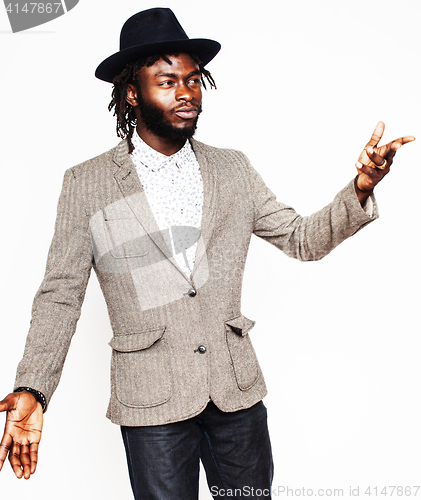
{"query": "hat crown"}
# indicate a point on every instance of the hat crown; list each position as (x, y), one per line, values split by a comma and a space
(151, 26)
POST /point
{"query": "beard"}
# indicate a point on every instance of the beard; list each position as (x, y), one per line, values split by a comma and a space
(154, 120)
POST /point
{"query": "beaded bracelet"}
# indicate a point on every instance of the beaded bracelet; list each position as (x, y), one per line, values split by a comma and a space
(39, 396)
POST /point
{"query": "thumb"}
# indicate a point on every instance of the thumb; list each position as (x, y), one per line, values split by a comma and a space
(377, 135)
(8, 403)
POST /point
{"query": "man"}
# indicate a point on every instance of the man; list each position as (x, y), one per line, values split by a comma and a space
(163, 219)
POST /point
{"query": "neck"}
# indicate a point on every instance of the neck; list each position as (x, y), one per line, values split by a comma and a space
(164, 145)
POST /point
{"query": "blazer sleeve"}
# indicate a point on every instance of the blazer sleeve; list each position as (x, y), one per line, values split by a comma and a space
(311, 237)
(57, 304)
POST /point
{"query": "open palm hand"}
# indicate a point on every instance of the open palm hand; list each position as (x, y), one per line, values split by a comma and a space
(22, 433)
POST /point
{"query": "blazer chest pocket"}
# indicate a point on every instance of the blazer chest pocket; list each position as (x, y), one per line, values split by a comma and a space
(243, 357)
(127, 238)
(141, 363)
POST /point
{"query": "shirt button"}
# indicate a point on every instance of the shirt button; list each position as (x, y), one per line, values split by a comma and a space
(201, 349)
(192, 292)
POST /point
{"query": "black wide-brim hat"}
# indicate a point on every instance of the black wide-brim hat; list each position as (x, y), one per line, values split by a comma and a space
(153, 31)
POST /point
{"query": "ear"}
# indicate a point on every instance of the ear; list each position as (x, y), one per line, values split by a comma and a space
(131, 96)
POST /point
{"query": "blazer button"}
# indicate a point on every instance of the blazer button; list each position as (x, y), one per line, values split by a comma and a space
(192, 292)
(201, 349)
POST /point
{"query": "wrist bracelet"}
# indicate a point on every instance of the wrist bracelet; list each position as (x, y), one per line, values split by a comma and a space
(39, 396)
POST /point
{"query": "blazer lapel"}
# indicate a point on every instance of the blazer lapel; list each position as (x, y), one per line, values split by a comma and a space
(130, 185)
(210, 202)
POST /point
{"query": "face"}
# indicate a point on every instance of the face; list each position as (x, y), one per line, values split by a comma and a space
(167, 98)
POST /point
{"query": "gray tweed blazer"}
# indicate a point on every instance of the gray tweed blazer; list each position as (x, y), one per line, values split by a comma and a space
(176, 341)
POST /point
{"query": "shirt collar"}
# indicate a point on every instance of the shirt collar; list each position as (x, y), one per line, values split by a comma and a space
(154, 160)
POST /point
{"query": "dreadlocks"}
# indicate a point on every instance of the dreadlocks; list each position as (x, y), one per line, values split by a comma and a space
(126, 119)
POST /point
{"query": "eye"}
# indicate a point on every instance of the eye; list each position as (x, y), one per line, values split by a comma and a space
(195, 82)
(167, 83)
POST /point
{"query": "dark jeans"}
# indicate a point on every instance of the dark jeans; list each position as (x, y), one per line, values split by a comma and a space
(234, 448)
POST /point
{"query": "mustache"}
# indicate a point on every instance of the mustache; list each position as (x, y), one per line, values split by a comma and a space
(197, 107)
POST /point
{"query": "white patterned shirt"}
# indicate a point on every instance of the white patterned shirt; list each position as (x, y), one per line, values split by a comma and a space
(174, 189)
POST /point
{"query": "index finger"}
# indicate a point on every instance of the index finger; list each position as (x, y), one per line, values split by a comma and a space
(377, 135)
(5, 445)
(393, 146)
(397, 143)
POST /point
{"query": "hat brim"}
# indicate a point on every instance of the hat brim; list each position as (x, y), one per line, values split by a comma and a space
(205, 49)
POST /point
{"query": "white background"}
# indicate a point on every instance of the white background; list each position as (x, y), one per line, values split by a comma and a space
(301, 86)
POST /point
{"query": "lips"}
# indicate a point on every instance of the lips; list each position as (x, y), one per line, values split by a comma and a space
(186, 113)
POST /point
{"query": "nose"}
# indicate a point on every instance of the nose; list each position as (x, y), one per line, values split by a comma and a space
(184, 93)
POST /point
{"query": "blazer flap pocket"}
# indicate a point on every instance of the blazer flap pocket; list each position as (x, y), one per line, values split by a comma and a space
(136, 341)
(138, 247)
(127, 238)
(240, 325)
